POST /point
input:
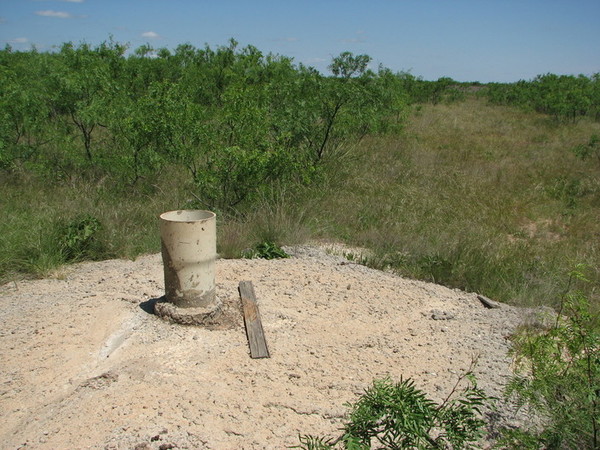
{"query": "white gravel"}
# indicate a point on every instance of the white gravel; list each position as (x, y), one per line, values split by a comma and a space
(85, 366)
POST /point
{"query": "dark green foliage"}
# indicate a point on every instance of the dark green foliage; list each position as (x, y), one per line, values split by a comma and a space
(399, 416)
(24, 109)
(77, 239)
(558, 375)
(437, 268)
(346, 65)
(589, 150)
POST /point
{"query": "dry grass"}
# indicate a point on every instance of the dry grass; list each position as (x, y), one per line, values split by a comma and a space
(473, 196)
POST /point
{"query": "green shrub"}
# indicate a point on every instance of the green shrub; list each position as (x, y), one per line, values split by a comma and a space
(558, 376)
(589, 150)
(77, 239)
(398, 415)
(266, 250)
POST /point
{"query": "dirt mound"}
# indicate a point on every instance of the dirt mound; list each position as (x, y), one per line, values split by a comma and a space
(86, 365)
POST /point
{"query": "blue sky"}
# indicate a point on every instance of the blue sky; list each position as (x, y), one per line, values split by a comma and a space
(468, 40)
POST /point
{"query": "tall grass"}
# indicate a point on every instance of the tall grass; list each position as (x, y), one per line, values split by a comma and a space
(484, 198)
(477, 197)
(38, 214)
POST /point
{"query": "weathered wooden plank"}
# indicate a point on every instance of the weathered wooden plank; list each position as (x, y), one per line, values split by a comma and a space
(254, 329)
(487, 302)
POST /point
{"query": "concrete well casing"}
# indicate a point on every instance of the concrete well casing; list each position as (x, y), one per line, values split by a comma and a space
(189, 252)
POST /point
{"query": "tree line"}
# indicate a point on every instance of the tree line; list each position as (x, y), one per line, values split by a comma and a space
(232, 119)
(564, 97)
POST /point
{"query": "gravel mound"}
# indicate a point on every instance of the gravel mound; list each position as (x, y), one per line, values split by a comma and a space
(85, 363)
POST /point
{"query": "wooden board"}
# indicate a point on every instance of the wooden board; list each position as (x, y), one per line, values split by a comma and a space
(254, 329)
(487, 302)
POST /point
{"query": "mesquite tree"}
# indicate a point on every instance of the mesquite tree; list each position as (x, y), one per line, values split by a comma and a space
(233, 119)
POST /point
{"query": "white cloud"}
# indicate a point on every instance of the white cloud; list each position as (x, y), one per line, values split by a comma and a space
(51, 13)
(20, 40)
(151, 35)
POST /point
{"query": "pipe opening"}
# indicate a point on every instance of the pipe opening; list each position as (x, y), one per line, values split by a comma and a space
(190, 215)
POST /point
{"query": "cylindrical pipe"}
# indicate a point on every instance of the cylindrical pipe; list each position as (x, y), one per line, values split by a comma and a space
(189, 252)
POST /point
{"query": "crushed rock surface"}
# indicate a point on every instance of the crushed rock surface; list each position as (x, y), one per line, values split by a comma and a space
(86, 365)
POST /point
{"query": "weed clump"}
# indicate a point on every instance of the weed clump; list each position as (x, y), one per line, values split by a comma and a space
(399, 415)
(558, 376)
(77, 239)
(265, 250)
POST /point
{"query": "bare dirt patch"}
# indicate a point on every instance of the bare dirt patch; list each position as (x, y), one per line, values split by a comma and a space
(85, 365)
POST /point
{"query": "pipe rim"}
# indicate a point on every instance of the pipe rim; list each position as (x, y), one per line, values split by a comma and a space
(187, 215)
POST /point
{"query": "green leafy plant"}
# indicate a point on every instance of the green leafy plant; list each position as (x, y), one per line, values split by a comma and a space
(77, 239)
(589, 150)
(265, 250)
(398, 415)
(558, 376)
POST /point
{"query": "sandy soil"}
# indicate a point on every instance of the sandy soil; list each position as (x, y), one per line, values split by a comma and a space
(85, 365)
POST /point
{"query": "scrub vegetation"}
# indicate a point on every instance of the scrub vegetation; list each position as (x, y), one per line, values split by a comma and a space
(487, 188)
(87, 132)
(398, 415)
